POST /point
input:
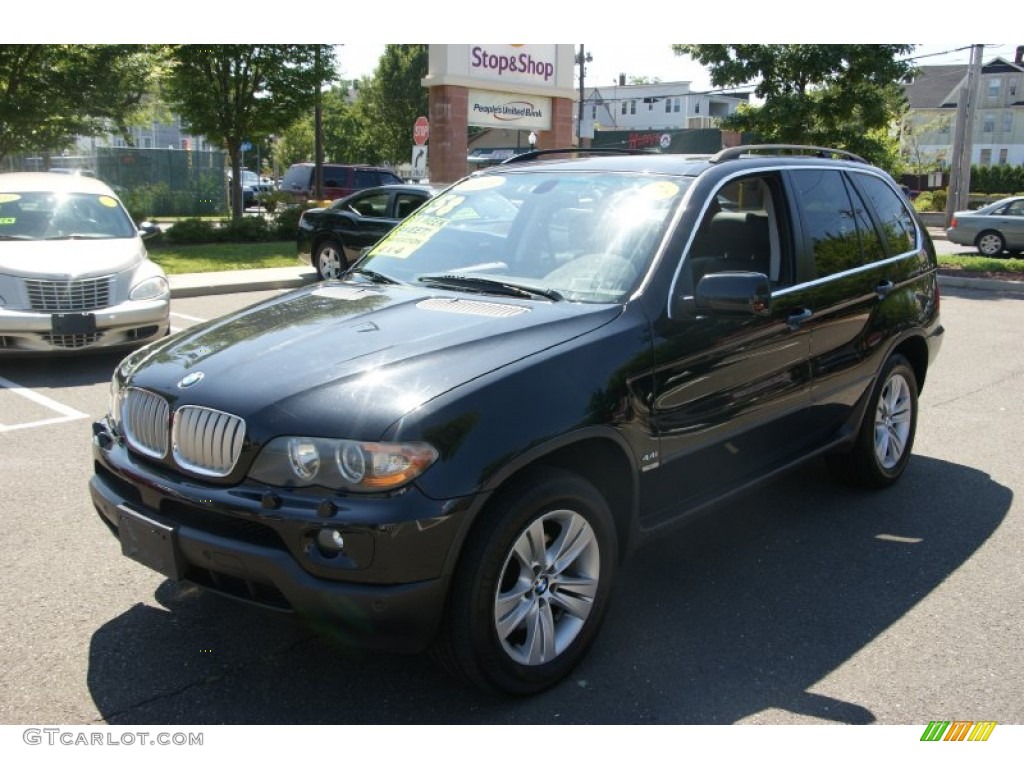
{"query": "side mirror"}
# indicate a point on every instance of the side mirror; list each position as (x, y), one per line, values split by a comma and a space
(734, 293)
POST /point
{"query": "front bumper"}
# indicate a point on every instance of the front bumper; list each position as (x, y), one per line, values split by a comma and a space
(129, 324)
(384, 591)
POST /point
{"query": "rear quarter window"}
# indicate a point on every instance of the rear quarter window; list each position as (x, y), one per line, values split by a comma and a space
(897, 224)
(841, 233)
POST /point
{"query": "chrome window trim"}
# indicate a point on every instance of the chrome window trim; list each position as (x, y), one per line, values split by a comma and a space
(769, 169)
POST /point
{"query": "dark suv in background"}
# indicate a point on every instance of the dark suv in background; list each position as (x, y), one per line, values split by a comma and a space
(338, 180)
(456, 444)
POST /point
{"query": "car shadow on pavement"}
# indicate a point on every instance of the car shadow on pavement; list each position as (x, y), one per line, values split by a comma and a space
(56, 371)
(738, 612)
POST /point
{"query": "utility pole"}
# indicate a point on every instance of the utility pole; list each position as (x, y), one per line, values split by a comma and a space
(318, 136)
(963, 138)
(582, 59)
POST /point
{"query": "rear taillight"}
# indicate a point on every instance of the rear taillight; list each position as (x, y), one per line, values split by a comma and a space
(952, 224)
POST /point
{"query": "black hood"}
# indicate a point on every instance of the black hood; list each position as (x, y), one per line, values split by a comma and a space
(345, 360)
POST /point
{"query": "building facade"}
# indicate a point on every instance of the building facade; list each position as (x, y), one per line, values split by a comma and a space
(926, 136)
(654, 107)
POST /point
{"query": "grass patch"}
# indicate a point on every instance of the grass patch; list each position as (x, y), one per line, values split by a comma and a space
(980, 263)
(220, 257)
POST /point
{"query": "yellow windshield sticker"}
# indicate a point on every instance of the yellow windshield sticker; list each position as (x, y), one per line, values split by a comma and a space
(659, 190)
(481, 182)
(9, 197)
(442, 206)
(405, 240)
(8, 220)
(108, 201)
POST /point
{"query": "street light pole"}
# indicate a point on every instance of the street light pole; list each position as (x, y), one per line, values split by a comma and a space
(582, 59)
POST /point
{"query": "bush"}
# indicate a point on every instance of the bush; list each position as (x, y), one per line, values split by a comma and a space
(931, 201)
(189, 231)
(286, 223)
(248, 229)
(275, 200)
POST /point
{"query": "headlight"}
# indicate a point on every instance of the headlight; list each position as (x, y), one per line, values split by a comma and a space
(357, 466)
(150, 288)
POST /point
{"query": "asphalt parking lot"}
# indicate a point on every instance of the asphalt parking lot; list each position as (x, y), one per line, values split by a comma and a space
(803, 602)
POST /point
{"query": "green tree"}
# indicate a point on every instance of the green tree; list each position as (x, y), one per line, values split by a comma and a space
(51, 93)
(391, 100)
(245, 93)
(347, 136)
(842, 96)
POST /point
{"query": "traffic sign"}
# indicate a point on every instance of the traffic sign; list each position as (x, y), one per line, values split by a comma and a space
(419, 162)
(420, 131)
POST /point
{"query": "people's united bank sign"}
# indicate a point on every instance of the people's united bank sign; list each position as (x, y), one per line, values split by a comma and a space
(491, 109)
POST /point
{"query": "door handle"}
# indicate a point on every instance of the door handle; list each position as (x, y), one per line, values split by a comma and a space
(884, 288)
(798, 317)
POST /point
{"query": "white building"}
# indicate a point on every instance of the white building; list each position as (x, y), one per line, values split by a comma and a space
(654, 107)
(998, 130)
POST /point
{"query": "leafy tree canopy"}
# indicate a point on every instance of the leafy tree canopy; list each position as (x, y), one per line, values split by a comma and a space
(842, 96)
(51, 93)
(244, 93)
(390, 102)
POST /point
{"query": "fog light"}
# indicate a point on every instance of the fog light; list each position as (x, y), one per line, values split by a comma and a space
(330, 542)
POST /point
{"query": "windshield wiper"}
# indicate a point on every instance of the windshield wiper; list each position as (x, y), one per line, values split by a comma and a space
(374, 277)
(488, 285)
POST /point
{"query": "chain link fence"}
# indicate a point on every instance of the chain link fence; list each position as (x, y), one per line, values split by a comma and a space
(150, 182)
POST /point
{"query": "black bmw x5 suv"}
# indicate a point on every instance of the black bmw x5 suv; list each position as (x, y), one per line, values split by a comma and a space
(456, 444)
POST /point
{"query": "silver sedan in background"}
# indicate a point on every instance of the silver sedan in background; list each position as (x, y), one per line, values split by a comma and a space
(993, 229)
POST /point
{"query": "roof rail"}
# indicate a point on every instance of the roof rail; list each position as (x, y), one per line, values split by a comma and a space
(533, 154)
(732, 153)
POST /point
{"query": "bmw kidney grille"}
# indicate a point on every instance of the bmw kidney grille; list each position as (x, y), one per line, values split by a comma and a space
(204, 441)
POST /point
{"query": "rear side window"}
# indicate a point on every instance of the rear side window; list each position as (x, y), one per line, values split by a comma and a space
(896, 221)
(841, 233)
(366, 179)
(335, 177)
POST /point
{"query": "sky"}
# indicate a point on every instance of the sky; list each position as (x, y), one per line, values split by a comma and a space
(658, 61)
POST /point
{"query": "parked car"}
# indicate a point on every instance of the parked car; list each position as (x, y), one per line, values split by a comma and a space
(330, 239)
(74, 273)
(455, 445)
(338, 180)
(993, 229)
(253, 185)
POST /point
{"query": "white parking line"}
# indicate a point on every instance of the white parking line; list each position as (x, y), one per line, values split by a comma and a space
(67, 413)
(189, 317)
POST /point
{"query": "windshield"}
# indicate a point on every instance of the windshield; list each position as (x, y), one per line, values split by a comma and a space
(569, 235)
(50, 216)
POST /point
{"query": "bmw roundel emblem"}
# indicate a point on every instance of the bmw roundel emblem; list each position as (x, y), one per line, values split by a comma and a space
(192, 379)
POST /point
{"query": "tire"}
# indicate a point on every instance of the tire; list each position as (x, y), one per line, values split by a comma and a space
(885, 439)
(990, 243)
(532, 585)
(329, 259)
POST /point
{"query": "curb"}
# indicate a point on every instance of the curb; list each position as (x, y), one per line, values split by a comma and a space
(981, 284)
(214, 283)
